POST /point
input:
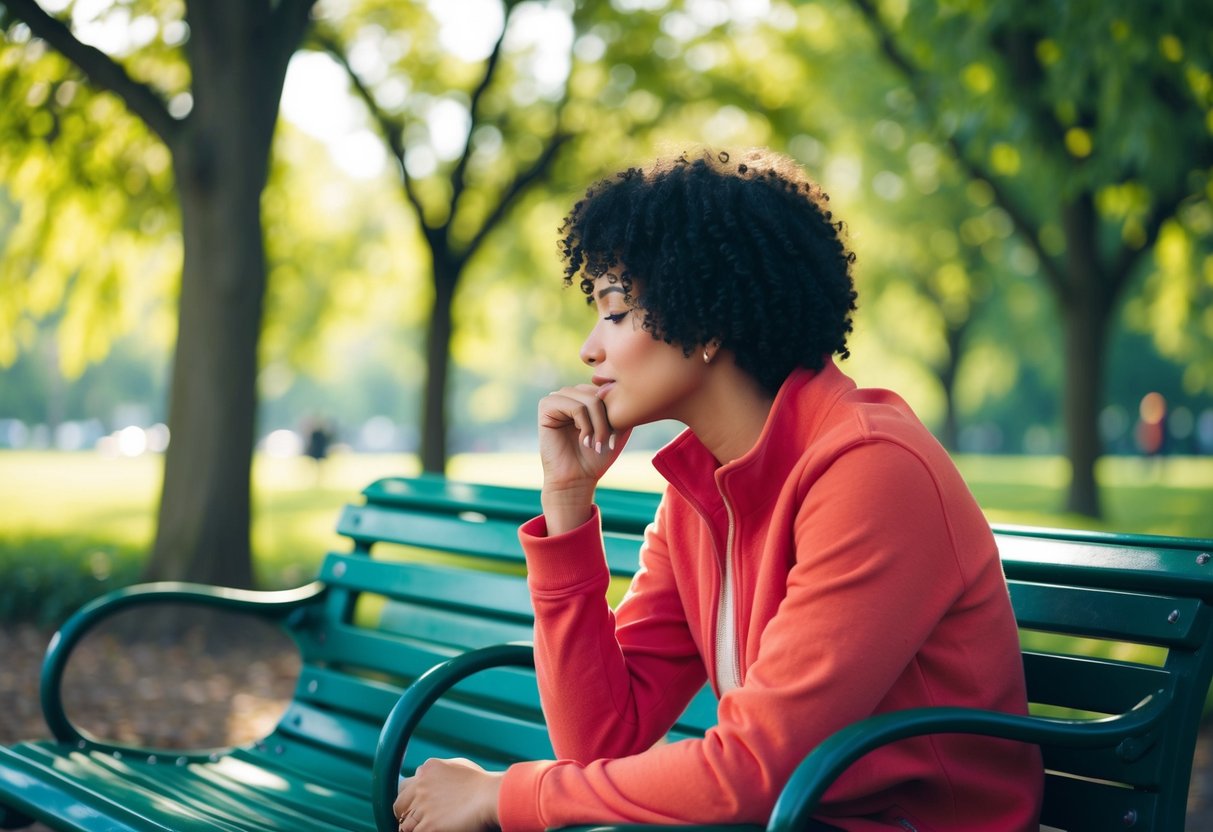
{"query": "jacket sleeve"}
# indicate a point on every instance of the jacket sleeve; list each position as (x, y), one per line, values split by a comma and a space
(611, 683)
(874, 571)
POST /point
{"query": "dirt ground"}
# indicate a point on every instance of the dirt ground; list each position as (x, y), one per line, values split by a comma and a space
(189, 694)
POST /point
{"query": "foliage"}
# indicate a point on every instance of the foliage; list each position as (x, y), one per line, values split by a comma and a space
(950, 284)
(89, 231)
(47, 579)
(1090, 125)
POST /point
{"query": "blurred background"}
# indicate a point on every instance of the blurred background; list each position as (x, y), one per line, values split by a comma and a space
(254, 255)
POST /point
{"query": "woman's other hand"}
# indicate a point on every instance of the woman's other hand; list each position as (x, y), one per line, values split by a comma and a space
(576, 447)
(448, 796)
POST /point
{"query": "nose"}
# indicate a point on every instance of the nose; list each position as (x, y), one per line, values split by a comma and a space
(591, 350)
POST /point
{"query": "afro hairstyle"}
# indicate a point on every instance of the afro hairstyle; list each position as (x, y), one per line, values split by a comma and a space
(740, 250)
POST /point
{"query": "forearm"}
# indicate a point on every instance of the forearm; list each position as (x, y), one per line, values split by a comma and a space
(611, 685)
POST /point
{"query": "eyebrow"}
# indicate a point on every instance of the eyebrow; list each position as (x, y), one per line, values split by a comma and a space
(602, 293)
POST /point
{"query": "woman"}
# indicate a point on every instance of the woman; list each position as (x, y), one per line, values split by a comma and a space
(816, 556)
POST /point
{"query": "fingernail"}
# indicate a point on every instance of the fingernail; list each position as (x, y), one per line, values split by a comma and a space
(598, 447)
(611, 442)
(586, 441)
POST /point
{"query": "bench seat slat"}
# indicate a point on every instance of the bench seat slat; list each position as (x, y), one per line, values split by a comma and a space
(238, 792)
(309, 762)
(181, 792)
(284, 796)
(95, 796)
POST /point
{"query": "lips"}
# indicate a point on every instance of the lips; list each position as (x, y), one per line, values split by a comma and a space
(603, 384)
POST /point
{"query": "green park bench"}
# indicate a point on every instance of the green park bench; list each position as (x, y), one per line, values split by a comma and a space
(410, 649)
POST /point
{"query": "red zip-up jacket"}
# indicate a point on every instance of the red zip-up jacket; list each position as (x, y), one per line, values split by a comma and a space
(865, 579)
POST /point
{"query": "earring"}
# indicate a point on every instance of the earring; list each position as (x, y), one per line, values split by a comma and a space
(707, 359)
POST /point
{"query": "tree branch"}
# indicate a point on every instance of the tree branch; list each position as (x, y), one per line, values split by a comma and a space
(914, 76)
(1128, 258)
(515, 189)
(289, 21)
(490, 69)
(1053, 272)
(102, 70)
(391, 128)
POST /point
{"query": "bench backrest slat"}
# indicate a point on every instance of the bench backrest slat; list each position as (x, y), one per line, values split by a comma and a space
(1108, 614)
(1100, 686)
(1075, 804)
(489, 538)
(480, 593)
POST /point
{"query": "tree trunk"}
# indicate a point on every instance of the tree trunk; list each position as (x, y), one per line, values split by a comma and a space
(949, 434)
(437, 365)
(1086, 309)
(221, 163)
(203, 530)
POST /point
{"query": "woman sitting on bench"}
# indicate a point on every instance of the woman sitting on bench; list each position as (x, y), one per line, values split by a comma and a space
(816, 555)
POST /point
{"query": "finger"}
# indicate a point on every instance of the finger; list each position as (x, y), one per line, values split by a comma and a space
(581, 404)
(401, 812)
(587, 424)
(404, 800)
(410, 821)
(618, 441)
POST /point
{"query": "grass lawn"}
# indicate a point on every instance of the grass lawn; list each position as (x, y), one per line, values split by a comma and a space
(76, 523)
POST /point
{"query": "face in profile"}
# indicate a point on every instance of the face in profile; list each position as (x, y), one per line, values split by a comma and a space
(640, 379)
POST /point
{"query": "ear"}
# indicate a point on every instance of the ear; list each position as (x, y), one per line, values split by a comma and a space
(710, 349)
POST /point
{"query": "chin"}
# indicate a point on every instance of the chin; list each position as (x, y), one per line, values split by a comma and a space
(619, 420)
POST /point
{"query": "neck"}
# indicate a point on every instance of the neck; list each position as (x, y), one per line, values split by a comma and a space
(731, 411)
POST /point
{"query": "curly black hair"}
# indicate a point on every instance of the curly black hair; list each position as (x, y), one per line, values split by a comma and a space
(741, 250)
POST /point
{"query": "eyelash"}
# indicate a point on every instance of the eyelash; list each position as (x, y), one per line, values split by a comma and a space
(616, 318)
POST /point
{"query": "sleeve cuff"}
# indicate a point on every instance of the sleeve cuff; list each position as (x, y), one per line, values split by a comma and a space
(518, 800)
(564, 561)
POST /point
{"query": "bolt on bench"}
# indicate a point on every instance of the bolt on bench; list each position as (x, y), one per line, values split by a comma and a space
(406, 654)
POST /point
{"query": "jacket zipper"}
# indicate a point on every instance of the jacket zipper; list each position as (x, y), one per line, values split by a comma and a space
(728, 662)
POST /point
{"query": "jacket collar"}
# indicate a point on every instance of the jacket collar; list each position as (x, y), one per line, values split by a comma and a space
(797, 414)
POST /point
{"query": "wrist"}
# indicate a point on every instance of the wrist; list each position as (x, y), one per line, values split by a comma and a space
(564, 509)
(492, 795)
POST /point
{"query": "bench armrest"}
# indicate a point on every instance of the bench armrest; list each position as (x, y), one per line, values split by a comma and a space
(275, 606)
(427, 689)
(823, 765)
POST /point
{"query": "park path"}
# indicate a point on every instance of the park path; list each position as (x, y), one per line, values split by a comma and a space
(187, 695)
